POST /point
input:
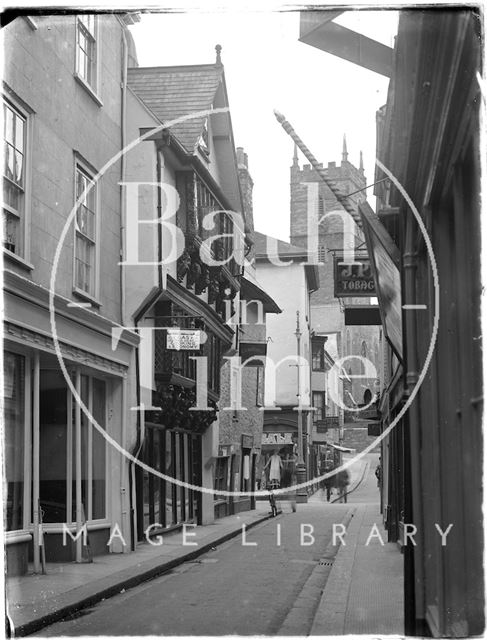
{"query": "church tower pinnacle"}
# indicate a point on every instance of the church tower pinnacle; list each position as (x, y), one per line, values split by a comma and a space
(344, 150)
(295, 156)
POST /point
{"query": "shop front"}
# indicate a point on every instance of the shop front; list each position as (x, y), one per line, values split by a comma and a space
(187, 344)
(280, 437)
(236, 470)
(163, 504)
(61, 474)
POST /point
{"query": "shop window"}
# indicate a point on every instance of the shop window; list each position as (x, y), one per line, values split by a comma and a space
(85, 235)
(54, 435)
(93, 449)
(221, 473)
(13, 393)
(171, 515)
(86, 49)
(57, 449)
(14, 136)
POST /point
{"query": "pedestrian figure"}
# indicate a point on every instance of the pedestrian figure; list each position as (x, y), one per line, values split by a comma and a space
(378, 473)
(276, 465)
(293, 491)
(343, 481)
(327, 486)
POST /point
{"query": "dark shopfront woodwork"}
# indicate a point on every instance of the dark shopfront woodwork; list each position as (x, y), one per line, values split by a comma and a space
(197, 201)
(162, 503)
(173, 432)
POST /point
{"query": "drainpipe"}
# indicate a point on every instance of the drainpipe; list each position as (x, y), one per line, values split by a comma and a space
(138, 446)
(411, 431)
(123, 225)
(123, 138)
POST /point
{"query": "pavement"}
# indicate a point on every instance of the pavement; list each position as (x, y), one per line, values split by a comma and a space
(355, 590)
(364, 590)
(34, 601)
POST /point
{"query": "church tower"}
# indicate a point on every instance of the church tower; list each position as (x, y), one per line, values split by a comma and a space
(329, 231)
(327, 312)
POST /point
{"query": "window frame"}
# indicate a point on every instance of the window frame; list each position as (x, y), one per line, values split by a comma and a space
(89, 84)
(80, 166)
(321, 346)
(24, 213)
(320, 412)
(91, 38)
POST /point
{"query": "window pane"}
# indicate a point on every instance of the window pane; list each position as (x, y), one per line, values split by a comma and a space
(19, 168)
(52, 446)
(85, 237)
(85, 426)
(156, 462)
(19, 133)
(84, 264)
(86, 49)
(11, 234)
(186, 475)
(177, 464)
(14, 384)
(9, 162)
(89, 22)
(169, 485)
(99, 451)
(9, 124)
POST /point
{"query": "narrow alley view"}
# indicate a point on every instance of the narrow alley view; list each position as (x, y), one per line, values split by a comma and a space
(289, 571)
(242, 348)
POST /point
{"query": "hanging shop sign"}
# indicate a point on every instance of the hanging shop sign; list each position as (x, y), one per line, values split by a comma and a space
(353, 280)
(385, 263)
(183, 339)
(277, 438)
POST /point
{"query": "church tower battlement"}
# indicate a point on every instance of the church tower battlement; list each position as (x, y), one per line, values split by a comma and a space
(349, 180)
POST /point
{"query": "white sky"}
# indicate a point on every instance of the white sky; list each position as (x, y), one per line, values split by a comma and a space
(266, 67)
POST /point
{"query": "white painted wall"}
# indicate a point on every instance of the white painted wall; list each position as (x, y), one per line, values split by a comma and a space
(287, 286)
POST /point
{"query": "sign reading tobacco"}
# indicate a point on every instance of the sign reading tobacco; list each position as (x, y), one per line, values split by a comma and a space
(353, 280)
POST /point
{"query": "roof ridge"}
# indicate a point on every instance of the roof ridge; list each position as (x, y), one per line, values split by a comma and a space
(178, 66)
(289, 244)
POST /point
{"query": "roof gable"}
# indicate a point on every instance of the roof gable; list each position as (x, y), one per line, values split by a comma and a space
(284, 249)
(172, 92)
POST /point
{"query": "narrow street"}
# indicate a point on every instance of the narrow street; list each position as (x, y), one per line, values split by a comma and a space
(235, 589)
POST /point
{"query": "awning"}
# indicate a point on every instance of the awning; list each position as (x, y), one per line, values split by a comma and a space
(250, 290)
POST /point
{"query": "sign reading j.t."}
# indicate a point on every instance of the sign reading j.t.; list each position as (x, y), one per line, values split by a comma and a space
(353, 280)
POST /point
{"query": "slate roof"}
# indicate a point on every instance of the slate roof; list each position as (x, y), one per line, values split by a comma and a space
(285, 249)
(171, 92)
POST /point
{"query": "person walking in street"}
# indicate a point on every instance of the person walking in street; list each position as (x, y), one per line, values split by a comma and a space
(343, 481)
(327, 486)
(276, 465)
(378, 473)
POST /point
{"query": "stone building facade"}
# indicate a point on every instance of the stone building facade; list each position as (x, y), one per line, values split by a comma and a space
(319, 223)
